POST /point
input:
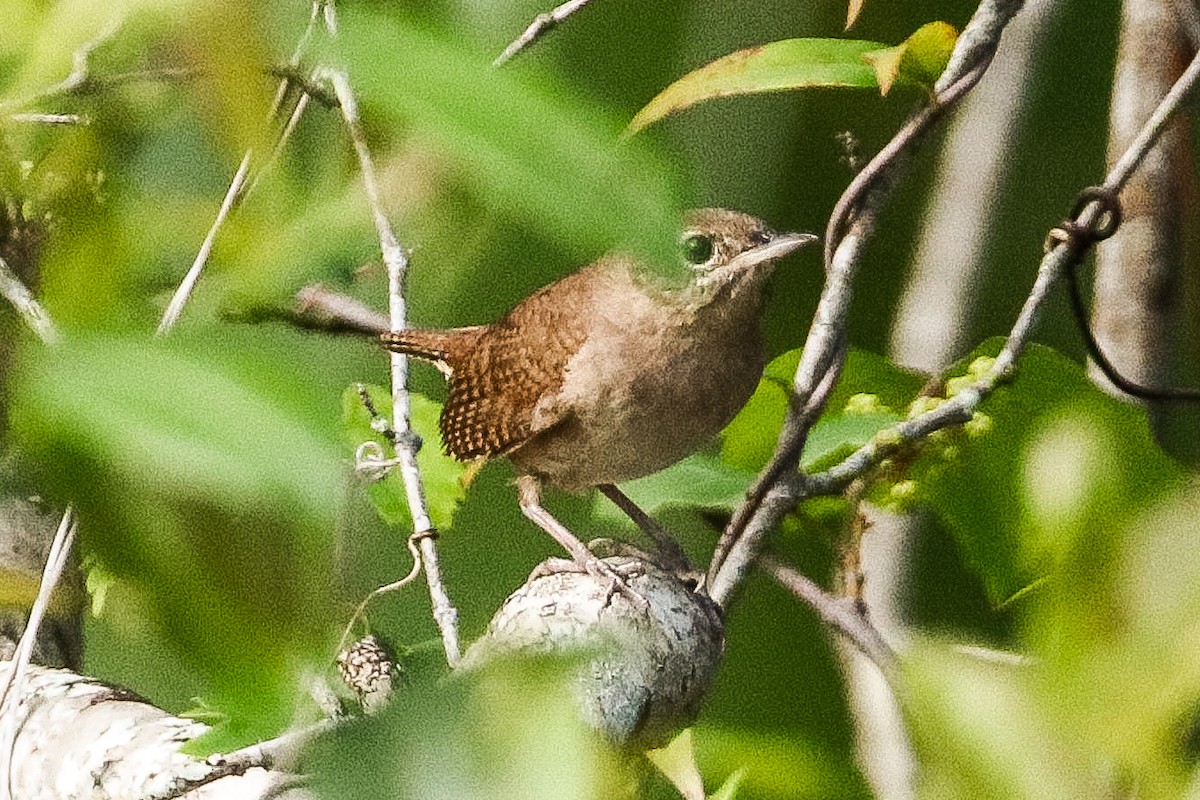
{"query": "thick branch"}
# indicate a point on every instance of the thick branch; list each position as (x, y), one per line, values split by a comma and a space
(1139, 316)
(79, 738)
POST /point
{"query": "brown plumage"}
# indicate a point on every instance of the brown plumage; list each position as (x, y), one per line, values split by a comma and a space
(497, 373)
(609, 373)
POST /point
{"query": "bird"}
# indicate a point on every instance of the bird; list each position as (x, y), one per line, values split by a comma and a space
(614, 371)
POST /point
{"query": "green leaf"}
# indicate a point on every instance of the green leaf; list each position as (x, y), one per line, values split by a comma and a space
(729, 789)
(701, 480)
(213, 498)
(749, 440)
(1109, 694)
(511, 730)
(836, 436)
(773, 67)
(983, 732)
(770, 765)
(919, 59)
(1116, 634)
(530, 146)
(441, 475)
(677, 761)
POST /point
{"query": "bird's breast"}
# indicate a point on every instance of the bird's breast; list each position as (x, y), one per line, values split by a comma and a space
(649, 386)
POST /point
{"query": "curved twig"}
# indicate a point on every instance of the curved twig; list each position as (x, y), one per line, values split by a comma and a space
(850, 227)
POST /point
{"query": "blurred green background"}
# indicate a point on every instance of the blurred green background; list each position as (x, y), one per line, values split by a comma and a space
(498, 183)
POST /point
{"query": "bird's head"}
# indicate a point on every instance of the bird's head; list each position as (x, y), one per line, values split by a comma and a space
(727, 252)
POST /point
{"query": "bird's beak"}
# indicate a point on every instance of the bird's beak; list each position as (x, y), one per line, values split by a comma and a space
(757, 261)
(780, 245)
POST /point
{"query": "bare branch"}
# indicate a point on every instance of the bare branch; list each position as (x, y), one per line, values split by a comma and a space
(850, 227)
(1188, 16)
(396, 260)
(80, 73)
(327, 310)
(541, 25)
(844, 614)
(238, 187)
(51, 119)
(1139, 312)
(12, 685)
(957, 231)
(184, 291)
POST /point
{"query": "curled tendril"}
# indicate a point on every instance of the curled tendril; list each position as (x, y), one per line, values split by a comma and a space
(370, 462)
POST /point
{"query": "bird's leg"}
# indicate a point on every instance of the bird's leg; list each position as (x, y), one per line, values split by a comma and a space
(669, 550)
(529, 496)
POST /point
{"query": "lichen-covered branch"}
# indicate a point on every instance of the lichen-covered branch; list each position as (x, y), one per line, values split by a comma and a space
(79, 738)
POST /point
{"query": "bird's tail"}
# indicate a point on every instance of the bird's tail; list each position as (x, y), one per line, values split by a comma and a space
(438, 347)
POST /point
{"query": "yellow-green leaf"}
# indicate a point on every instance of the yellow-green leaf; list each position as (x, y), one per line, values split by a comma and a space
(777, 66)
(919, 59)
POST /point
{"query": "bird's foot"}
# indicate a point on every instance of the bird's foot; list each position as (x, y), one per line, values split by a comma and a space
(670, 555)
(617, 575)
(679, 566)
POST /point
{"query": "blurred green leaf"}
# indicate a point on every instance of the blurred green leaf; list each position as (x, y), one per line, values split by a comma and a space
(511, 731)
(981, 732)
(677, 762)
(1015, 518)
(773, 67)
(1116, 633)
(729, 789)
(441, 474)
(1110, 692)
(531, 147)
(209, 495)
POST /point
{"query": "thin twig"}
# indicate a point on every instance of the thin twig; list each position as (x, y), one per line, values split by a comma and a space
(326, 310)
(395, 258)
(361, 610)
(1153, 129)
(16, 292)
(238, 187)
(184, 291)
(851, 226)
(541, 25)
(11, 686)
(33, 118)
(843, 614)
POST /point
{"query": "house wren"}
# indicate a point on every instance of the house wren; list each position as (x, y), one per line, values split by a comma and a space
(611, 373)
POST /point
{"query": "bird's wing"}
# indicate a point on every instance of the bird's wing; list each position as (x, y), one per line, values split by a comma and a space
(502, 389)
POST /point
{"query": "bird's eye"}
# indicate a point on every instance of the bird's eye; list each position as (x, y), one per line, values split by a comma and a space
(761, 237)
(696, 248)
